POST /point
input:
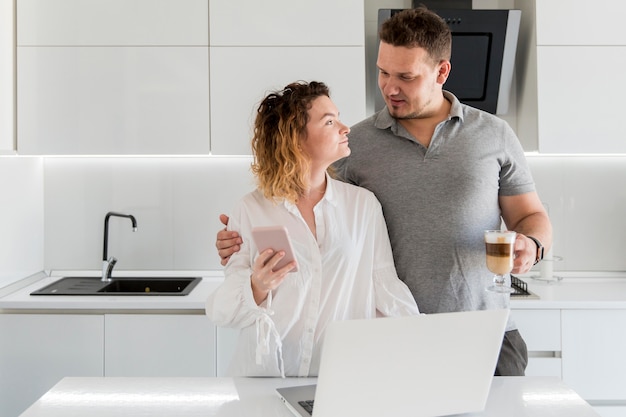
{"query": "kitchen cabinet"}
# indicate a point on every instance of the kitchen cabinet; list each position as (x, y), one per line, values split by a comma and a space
(159, 345)
(578, 111)
(225, 348)
(112, 22)
(37, 350)
(594, 343)
(577, 22)
(233, 103)
(112, 100)
(541, 330)
(7, 78)
(286, 23)
(112, 78)
(275, 43)
(133, 78)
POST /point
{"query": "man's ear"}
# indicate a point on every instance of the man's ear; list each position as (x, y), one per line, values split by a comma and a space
(444, 71)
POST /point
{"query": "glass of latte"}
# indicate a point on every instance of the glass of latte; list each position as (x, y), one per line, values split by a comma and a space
(499, 246)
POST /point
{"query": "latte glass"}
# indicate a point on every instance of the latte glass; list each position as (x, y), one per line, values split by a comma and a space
(499, 246)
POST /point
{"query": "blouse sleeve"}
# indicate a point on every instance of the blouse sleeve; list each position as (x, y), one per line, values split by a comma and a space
(232, 303)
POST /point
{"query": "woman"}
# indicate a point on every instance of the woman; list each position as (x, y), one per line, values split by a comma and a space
(345, 266)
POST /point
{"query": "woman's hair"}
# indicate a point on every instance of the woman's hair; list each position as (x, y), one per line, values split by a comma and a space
(419, 27)
(280, 166)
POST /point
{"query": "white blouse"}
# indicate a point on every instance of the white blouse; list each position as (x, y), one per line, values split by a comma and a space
(347, 273)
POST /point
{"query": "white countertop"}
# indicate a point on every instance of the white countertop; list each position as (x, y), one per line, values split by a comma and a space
(226, 397)
(20, 298)
(575, 291)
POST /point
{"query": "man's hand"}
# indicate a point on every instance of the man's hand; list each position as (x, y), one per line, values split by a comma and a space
(525, 251)
(228, 242)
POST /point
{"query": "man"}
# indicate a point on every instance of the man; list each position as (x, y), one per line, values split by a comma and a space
(444, 172)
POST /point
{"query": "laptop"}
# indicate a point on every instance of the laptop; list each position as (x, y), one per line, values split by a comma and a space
(420, 366)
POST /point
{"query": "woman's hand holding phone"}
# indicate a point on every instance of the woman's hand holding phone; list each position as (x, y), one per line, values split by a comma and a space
(276, 259)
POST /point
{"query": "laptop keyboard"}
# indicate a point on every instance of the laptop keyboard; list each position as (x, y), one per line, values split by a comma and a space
(307, 405)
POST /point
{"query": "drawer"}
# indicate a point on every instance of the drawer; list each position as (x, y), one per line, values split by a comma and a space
(541, 329)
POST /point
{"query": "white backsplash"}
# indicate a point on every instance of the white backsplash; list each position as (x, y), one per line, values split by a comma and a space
(177, 202)
(21, 217)
(586, 199)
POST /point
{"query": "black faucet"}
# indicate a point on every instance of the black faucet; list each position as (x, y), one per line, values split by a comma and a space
(109, 263)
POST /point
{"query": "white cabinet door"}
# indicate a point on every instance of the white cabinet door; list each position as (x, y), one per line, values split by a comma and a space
(579, 22)
(225, 345)
(176, 345)
(37, 350)
(580, 112)
(610, 410)
(112, 22)
(594, 363)
(7, 78)
(541, 330)
(234, 99)
(286, 22)
(113, 100)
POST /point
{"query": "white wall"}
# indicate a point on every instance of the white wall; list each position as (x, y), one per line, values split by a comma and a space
(177, 202)
(21, 217)
(586, 199)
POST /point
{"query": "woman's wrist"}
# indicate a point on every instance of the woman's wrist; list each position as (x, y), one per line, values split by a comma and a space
(258, 294)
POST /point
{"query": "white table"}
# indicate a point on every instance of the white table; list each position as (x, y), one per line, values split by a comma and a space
(226, 397)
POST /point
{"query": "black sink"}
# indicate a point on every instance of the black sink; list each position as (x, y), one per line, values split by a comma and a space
(143, 286)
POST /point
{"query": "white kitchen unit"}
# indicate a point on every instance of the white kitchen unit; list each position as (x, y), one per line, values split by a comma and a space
(37, 350)
(233, 104)
(594, 345)
(573, 332)
(286, 23)
(45, 338)
(112, 78)
(112, 22)
(133, 77)
(272, 44)
(576, 22)
(541, 330)
(7, 78)
(112, 100)
(576, 330)
(579, 111)
(226, 344)
(159, 345)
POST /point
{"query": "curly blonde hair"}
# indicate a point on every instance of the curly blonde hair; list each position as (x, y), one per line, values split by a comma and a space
(280, 166)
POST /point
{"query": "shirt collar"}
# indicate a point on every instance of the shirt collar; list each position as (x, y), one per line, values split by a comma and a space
(384, 120)
(330, 195)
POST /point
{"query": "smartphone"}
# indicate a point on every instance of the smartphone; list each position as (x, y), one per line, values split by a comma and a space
(276, 238)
